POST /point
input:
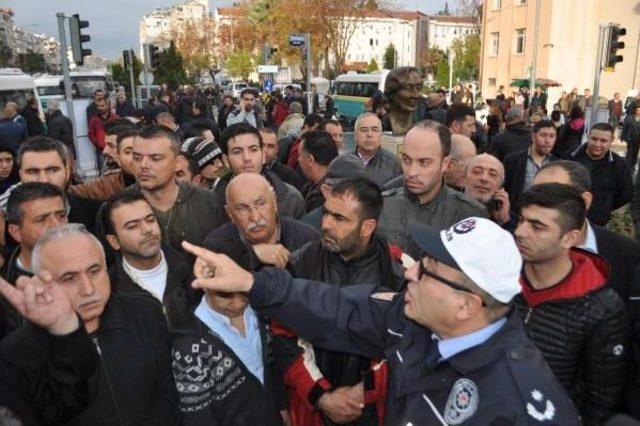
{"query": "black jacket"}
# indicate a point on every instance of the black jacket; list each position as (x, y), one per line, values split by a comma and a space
(284, 147)
(582, 328)
(515, 170)
(611, 183)
(35, 126)
(135, 361)
(59, 127)
(514, 138)
(226, 239)
(214, 386)
(44, 378)
(179, 299)
(83, 210)
(125, 109)
(10, 318)
(569, 139)
(631, 130)
(492, 383)
(285, 173)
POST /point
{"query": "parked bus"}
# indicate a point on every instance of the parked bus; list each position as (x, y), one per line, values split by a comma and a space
(49, 88)
(352, 91)
(17, 86)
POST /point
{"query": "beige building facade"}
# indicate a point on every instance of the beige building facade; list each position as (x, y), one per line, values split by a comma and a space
(567, 44)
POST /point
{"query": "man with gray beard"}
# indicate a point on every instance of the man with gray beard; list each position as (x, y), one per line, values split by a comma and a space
(257, 234)
(349, 253)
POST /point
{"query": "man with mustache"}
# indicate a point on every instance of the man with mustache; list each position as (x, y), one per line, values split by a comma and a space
(424, 198)
(521, 167)
(381, 164)
(349, 253)
(145, 265)
(257, 235)
(134, 384)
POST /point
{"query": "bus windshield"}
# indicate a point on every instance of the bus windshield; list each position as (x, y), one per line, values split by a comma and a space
(85, 87)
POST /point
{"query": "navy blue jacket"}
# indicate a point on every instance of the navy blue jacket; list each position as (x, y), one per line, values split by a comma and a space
(12, 134)
(503, 381)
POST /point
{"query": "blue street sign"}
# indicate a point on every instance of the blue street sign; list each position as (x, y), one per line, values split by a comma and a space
(268, 85)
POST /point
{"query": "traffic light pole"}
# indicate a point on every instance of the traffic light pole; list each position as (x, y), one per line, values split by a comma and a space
(67, 78)
(147, 57)
(603, 35)
(133, 81)
(307, 45)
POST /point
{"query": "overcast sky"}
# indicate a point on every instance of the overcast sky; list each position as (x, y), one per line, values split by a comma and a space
(114, 23)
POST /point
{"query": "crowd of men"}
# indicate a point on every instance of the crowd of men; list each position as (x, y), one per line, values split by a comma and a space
(243, 267)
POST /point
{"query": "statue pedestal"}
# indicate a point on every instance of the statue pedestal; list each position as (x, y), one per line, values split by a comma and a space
(392, 143)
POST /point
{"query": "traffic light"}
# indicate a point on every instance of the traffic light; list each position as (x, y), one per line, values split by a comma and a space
(615, 33)
(154, 56)
(77, 38)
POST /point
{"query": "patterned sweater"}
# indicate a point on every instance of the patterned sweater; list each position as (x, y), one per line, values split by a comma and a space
(215, 387)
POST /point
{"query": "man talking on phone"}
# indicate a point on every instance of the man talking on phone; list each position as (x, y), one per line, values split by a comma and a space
(246, 111)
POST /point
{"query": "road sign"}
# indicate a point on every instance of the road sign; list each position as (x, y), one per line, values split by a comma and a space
(268, 85)
(296, 40)
(149, 77)
(268, 69)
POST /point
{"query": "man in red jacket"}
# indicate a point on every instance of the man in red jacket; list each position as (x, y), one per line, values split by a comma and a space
(97, 125)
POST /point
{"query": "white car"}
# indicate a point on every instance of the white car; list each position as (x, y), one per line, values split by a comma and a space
(234, 89)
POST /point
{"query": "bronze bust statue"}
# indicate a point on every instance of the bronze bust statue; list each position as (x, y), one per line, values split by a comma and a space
(402, 89)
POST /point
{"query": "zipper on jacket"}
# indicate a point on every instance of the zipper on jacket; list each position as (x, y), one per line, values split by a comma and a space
(109, 385)
(528, 316)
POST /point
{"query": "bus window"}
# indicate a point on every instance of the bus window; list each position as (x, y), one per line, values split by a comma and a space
(369, 89)
(19, 96)
(49, 91)
(85, 87)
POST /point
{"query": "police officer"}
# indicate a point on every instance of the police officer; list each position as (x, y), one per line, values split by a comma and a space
(456, 351)
(424, 198)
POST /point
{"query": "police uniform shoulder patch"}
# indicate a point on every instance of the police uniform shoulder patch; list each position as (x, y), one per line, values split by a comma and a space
(386, 296)
(462, 402)
(539, 407)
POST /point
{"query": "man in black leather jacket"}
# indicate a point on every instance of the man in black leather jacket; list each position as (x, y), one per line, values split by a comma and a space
(570, 312)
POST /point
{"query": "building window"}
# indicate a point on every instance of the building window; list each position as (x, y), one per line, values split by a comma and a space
(521, 2)
(492, 82)
(370, 42)
(520, 40)
(497, 4)
(494, 43)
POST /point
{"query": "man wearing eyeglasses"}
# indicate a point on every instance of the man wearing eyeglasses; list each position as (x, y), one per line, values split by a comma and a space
(456, 351)
(257, 234)
(381, 165)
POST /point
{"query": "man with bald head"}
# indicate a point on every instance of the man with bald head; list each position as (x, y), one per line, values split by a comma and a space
(483, 179)
(12, 131)
(462, 150)
(257, 234)
(381, 165)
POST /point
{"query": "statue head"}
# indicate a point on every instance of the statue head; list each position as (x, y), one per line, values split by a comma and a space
(403, 89)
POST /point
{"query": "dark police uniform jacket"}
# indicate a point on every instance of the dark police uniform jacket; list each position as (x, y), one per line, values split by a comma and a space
(504, 381)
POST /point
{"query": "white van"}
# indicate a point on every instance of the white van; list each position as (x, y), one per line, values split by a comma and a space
(16, 86)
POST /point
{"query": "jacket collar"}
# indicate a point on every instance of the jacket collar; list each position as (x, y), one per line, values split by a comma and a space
(177, 269)
(112, 317)
(444, 191)
(583, 148)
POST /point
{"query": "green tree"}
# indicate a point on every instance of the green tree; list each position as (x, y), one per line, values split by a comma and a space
(170, 69)
(240, 64)
(466, 60)
(442, 72)
(6, 55)
(390, 57)
(122, 76)
(32, 62)
(373, 66)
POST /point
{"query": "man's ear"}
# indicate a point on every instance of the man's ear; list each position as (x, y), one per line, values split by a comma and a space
(113, 242)
(14, 231)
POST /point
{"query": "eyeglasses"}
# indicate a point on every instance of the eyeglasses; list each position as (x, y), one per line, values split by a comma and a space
(422, 270)
(245, 210)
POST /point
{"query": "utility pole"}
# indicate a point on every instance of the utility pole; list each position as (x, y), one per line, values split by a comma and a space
(146, 55)
(67, 78)
(133, 81)
(451, 54)
(534, 62)
(307, 46)
(602, 37)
